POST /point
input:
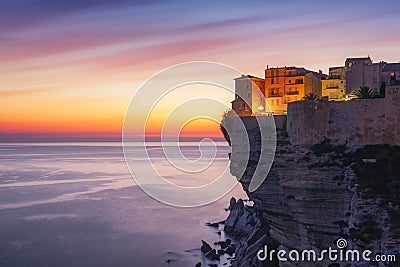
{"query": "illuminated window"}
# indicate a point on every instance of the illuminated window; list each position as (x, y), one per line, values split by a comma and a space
(392, 76)
(350, 64)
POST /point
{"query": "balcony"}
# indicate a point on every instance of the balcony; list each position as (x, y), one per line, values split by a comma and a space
(292, 93)
(333, 87)
(275, 94)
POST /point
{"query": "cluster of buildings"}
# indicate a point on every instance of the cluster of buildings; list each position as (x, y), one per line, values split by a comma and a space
(282, 85)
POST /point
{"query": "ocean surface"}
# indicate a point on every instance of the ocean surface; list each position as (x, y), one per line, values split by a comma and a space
(76, 204)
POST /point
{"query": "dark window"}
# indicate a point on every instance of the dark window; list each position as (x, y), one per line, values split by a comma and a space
(299, 81)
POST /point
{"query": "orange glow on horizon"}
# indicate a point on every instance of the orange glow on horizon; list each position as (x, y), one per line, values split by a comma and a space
(196, 128)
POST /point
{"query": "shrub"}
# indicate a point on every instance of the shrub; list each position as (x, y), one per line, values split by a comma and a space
(324, 147)
(367, 230)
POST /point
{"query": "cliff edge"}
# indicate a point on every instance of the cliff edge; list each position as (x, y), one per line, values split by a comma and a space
(314, 195)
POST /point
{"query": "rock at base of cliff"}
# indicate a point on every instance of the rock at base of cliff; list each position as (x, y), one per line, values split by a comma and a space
(213, 255)
(205, 247)
(241, 218)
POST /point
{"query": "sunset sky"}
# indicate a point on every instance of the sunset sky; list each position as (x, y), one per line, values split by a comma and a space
(68, 69)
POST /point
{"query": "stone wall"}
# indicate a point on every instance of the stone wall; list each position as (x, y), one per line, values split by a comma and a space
(357, 122)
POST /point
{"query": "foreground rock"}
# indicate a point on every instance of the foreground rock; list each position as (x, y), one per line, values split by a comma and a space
(241, 218)
(223, 244)
(244, 223)
(205, 247)
(212, 255)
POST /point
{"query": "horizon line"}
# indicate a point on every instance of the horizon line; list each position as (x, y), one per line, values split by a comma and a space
(51, 137)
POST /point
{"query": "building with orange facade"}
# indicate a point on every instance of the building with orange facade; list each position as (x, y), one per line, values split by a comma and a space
(287, 84)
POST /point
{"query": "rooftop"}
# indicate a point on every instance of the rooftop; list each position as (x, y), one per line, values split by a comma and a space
(391, 67)
(286, 68)
(357, 58)
(336, 68)
(248, 77)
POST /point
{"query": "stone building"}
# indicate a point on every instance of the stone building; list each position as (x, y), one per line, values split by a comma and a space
(249, 95)
(287, 84)
(283, 85)
(335, 86)
(391, 74)
(362, 72)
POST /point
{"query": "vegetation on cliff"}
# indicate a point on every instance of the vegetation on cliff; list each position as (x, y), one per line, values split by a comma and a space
(377, 170)
(365, 93)
(227, 113)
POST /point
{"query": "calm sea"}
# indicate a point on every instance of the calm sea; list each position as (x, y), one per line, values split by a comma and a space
(75, 204)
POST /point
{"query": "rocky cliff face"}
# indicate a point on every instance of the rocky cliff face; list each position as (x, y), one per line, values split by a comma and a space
(315, 195)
